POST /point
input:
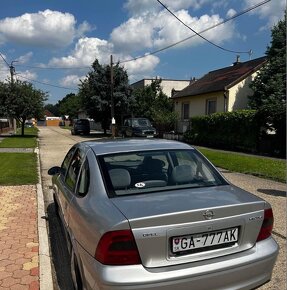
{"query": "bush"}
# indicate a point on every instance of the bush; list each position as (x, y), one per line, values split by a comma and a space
(238, 130)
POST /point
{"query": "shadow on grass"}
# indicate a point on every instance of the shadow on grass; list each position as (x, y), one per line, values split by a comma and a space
(21, 136)
(273, 192)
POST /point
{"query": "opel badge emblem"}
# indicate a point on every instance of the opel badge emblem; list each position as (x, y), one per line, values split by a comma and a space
(208, 214)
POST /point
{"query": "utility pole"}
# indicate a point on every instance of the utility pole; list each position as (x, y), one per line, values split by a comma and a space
(12, 73)
(112, 100)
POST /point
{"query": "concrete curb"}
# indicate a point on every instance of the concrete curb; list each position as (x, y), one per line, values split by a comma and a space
(45, 273)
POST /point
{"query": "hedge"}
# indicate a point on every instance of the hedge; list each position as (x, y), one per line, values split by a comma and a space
(238, 130)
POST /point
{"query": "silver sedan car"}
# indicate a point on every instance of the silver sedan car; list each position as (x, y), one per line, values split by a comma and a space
(156, 214)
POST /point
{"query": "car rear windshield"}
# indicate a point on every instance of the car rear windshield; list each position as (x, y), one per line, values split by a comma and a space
(140, 122)
(82, 122)
(152, 171)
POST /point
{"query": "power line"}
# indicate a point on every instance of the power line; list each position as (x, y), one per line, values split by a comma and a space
(198, 34)
(55, 86)
(4, 59)
(202, 31)
(171, 45)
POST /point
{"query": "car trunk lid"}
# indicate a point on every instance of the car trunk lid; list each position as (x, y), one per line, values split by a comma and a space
(170, 227)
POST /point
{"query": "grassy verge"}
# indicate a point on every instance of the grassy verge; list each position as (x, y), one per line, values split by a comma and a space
(18, 168)
(258, 166)
(18, 141)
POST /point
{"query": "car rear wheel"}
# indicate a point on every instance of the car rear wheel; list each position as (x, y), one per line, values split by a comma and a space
(76, 275)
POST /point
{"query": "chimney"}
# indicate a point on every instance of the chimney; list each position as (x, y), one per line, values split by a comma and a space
(237, 60)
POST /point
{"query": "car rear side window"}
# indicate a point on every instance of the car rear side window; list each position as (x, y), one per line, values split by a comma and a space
(67, 160)
(74, 170)
(84, 180)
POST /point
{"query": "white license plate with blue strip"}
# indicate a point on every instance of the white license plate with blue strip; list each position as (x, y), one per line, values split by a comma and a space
(197, 241)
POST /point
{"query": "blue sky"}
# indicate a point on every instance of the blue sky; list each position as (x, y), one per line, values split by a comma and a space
(55, 41)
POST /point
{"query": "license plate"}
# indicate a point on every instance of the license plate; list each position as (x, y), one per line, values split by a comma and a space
(197, 241)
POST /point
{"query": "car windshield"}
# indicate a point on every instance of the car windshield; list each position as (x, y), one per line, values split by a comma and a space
(140, 122)
(152, 171)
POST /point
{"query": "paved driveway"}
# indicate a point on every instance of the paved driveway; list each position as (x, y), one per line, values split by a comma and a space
(54, 144)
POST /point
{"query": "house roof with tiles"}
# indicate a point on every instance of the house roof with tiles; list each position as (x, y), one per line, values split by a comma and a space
(222, 79)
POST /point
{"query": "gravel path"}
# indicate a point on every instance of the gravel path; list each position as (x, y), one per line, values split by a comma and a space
(275, 194)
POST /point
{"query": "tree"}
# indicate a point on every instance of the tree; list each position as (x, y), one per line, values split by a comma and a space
(269, 85)
(269, 88)
(95, 93)
(152, 103)
(53, 109)
(70, 105)
(20, 100)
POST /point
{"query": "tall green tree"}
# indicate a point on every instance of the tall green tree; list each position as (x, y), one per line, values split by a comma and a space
(20, 100)
(269, 85)
(52, 108)
(269, 88)
(69, 105)
(95, 93)
(152, 103)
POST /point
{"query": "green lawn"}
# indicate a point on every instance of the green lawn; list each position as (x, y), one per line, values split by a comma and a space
(18, 168)
(18, 141)
(66, 127)
(259, 166)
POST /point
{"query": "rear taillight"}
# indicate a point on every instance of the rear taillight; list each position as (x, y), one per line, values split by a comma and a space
(267, 225)
(118, 248)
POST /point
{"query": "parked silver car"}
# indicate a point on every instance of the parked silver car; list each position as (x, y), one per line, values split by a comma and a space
(155, 214)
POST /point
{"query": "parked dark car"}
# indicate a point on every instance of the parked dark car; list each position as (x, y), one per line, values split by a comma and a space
(138, 127)
(157, 215)
(81, 126)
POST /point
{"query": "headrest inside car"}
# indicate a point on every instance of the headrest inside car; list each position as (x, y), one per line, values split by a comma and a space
(120, 178)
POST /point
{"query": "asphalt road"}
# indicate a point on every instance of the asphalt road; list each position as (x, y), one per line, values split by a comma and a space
(54, 142)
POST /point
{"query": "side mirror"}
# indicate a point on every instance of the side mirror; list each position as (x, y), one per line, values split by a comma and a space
(54, 170)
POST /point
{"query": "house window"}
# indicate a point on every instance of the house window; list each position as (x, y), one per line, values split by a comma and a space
(185, 111)
(210, 106)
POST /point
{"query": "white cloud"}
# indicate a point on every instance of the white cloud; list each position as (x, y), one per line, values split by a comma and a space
(134, 34)
(45, 28)
(4, 74)
(88, 49)
(141, 66)
(24, 58)
(140, 7)
(136, 7)
(85, 52)
(273, 11)
(231, 12)
(172, 30)
(71, 81)
(162, 29)
(26, 75)
(185, 4)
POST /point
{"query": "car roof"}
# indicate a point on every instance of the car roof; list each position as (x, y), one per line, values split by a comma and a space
(134, 144)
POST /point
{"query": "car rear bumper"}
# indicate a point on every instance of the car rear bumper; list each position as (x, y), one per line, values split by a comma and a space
(245, 270)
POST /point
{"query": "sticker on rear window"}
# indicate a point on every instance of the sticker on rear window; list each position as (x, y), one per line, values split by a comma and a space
(140, 185)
